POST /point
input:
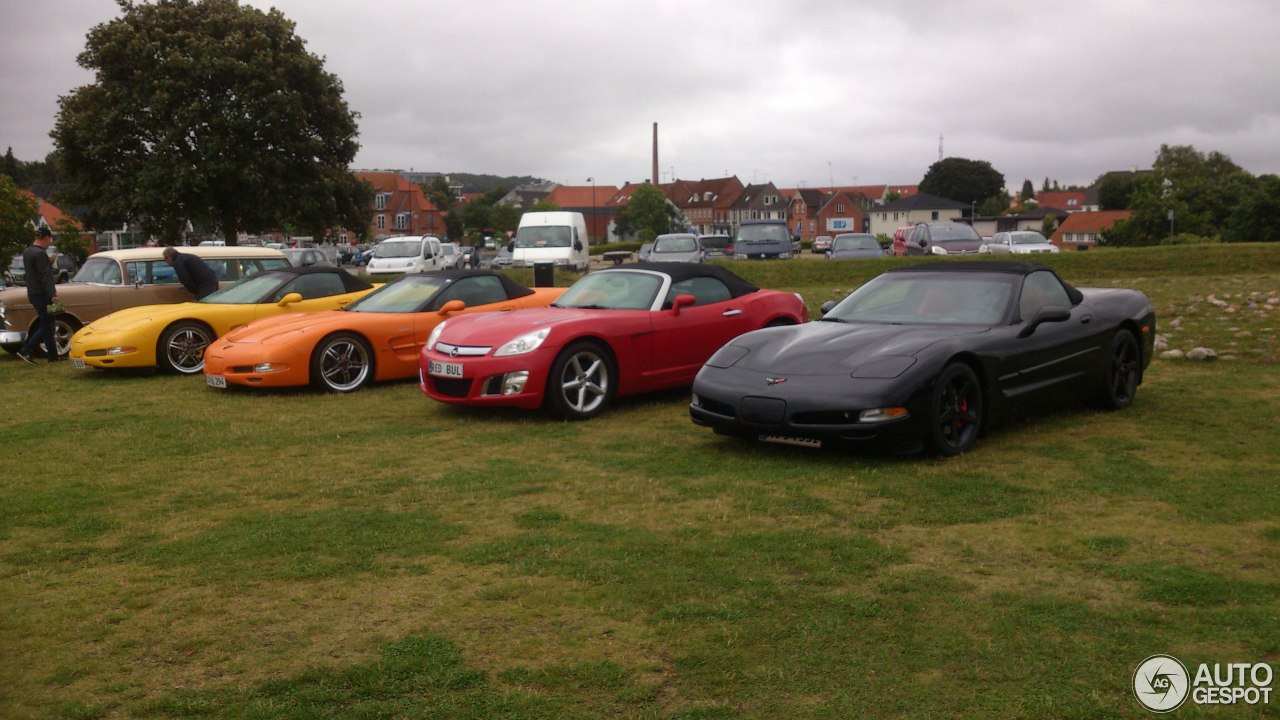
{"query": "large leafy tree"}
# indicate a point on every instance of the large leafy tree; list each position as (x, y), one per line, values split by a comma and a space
(212, 112)
(1201, 190)
(645, 214)
(16, 211)
(963, 180)
(1028, 191)
(1256, 217)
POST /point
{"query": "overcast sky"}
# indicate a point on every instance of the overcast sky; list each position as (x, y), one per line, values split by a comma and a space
(797, 92)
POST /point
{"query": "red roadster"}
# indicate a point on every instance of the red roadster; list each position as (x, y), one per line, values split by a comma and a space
(622, 331)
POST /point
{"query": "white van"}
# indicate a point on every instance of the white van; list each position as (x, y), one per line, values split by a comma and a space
(404, 255)
(558, 237)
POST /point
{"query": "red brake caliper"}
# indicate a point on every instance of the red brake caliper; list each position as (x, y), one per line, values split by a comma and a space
(964, 407)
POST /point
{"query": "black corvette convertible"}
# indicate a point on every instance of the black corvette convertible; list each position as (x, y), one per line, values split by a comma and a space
(926, 355)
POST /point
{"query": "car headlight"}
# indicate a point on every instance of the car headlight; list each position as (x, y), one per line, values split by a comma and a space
(526, 343)
(936, 250)
(435, 335)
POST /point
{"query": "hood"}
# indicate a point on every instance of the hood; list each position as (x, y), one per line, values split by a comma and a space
(832, 348)
(1026, 248)
(846, 254)
(273, 328)
(130, 318)
(497, 328)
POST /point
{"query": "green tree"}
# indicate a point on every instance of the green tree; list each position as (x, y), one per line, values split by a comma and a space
(12, 168)
(962, 180)
(1200, 190)
(504, 217)
(476, 215)
(892, 195)
(1114, 191)
(994, 205)
(645, 214)
(439, 193)
(211, 112)
(1256, 217)
(1028, 191)
(17, 208)
(544, 206)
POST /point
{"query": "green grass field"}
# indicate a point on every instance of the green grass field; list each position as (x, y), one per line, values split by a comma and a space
(169, 551)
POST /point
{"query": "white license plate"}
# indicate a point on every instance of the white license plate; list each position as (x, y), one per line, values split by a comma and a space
(217, 381)
(444, 369)
(788, 440)
(77, 363)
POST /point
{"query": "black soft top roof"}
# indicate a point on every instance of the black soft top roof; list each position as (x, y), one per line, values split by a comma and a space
(350, 282)
(992, 266)
(513, 288)
(684, 271)
(1002, 266)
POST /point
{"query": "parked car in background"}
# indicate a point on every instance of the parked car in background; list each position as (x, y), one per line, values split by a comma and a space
(16, 273)
(405, 255)
(899, 245)
(855, 245)
(502, 259)
(646, 249)
(927, 356)
(305, 257)
(943, 238)
(174, 337)
(375, 338)
(822, 243)
(64, 268)
(716, 246)
(763, 239)
(451, 256)
(1017, 242)
(117, 279)
(676, 247)
(619, 331)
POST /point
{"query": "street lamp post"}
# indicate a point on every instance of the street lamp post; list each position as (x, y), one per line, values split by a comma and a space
(973, 211)
(592, 180)
(1168, 188)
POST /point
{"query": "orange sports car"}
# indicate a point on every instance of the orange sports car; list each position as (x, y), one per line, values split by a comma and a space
(375, 338)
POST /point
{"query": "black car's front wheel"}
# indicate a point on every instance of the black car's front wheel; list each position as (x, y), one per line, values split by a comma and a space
(956, 411)
(1120, 378)
(581, 383)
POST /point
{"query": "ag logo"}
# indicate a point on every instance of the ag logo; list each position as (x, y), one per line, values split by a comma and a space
(1161, 683)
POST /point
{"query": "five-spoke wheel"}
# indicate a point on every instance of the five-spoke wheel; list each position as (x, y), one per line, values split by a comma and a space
(182, 347)
(341, 363)
(581, 382)
(957, 410)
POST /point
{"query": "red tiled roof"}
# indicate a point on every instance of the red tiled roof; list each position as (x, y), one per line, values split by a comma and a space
(1062, 200)
(52, 214)
(571, 196)
(1089, 222)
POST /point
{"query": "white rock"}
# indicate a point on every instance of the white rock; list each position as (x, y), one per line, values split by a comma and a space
(1171, 354)
(1202, 353)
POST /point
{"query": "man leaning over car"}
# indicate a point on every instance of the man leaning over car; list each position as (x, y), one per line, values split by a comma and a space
(194, 274)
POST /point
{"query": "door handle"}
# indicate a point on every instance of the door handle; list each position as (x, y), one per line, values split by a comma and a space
(730, 313)
(1085, 320)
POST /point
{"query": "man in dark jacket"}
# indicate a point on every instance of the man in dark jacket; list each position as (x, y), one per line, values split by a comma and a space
(194, 273)
(41, 292)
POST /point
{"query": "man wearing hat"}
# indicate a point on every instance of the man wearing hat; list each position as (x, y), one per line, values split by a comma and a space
(41, 292)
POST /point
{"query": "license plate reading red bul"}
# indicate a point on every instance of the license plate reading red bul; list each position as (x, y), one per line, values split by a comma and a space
(445, 369)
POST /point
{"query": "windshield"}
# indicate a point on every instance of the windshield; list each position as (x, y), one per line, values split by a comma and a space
(754, 234)
(953, 232)
(613, 290)
(398, 249)
(1027, 238)
(543, 236)
(408, 294)
(99, 270)
(249, 291)
(675, 244)
(855, 242)
(924, 298)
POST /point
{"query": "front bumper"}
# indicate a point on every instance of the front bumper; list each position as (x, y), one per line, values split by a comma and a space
(12, 340)
(241, 364)
(818, 407)
(483, 379)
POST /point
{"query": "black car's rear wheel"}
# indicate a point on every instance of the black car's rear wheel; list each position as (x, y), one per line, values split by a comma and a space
(1124, 368)
(341, 363)
(182, 347)
(956, 411)
(581, 383)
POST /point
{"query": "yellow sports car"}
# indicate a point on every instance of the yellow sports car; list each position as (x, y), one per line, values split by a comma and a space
(174, 337)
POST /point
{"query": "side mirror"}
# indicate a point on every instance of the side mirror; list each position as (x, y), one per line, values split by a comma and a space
(577, 246)
(452, 306)
(511, 246)
(682, 301)
(827, 306)
(290, 299)
(923, 242)
(1048, 313)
